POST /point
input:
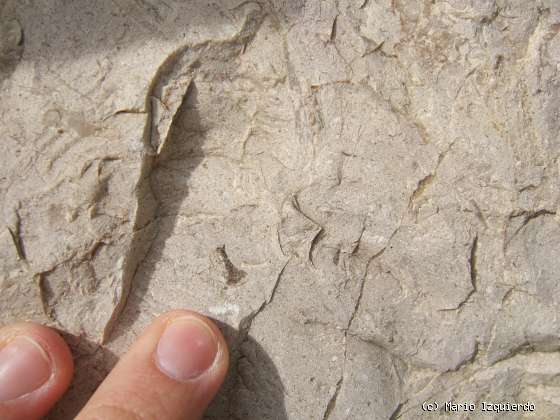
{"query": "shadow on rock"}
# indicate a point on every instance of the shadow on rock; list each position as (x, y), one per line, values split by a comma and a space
(92, 363)
(166, 187)
(253, 389)
(11, 46)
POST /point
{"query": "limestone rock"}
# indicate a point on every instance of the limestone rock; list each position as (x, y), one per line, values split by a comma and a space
(362, 193)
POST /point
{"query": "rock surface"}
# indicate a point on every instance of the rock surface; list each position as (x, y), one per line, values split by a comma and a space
(363, 193)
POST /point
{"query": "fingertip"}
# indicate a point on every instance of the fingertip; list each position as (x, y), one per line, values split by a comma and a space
(36, 368)
(173, 370)
(167, 320)
(209, 363)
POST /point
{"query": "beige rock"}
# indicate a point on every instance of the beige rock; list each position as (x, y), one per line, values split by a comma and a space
(362, 193)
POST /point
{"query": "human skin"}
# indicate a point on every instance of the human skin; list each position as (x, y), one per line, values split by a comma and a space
(172, 371)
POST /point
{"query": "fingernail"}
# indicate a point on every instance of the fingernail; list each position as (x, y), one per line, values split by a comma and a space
(187, 348)
(24, 367)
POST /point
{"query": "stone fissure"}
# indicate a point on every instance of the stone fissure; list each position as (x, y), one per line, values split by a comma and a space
(154, 162)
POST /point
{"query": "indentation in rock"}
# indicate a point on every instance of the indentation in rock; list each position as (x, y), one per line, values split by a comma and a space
(221, 263)
(160, 145)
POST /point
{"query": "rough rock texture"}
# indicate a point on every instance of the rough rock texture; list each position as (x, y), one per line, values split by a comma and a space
(363, 193)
